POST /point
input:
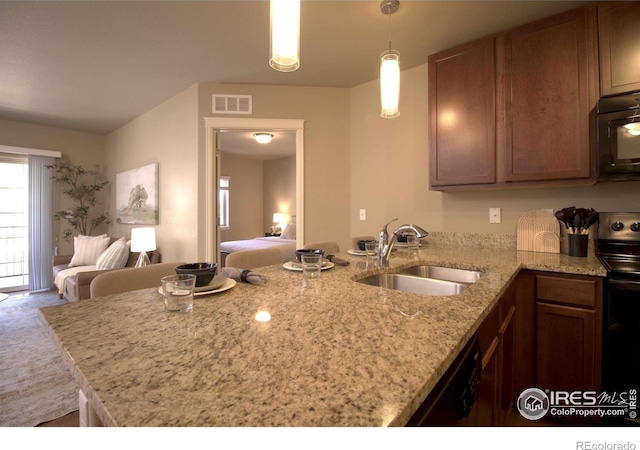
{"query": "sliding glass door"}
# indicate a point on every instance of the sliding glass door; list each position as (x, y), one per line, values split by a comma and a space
(14, 201)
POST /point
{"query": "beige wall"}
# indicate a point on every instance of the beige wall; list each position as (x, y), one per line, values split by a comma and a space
(279, 188)
(389, 174)
(83, 149)
(326, 146)
(167, 135)
(245, 197)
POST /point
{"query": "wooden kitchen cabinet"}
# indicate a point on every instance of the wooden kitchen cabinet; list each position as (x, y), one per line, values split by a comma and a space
(462, 117)
(496, 337)
(618, 25)
(568, 333)
(550, 74)
(559, 340)
(514, 109)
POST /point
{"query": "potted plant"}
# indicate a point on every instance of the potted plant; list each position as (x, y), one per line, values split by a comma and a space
(81, 186)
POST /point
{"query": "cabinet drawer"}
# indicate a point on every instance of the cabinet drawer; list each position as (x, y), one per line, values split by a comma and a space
(567, 290)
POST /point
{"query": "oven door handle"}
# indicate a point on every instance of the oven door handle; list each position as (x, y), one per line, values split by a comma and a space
(627, 285)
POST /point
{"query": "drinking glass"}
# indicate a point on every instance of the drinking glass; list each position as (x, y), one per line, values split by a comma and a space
(178, 292)
(371, 248)
(311, 265)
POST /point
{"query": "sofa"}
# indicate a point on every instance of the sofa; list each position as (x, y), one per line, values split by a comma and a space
(73, 282)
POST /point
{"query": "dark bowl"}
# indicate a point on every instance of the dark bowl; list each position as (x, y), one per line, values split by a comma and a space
(308, 251)
(361, 243)
(203, 271)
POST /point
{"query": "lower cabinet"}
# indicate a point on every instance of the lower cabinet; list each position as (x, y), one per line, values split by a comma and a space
(497, 345)
(559, 341)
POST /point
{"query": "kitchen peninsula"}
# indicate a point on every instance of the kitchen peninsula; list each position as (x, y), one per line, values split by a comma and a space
(334, 353)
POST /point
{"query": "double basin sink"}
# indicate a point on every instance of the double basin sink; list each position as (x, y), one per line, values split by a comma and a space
(427, 280)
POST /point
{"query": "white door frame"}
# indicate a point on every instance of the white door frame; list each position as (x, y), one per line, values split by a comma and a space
(213, 125)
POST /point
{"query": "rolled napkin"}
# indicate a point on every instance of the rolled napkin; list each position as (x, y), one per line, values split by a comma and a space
(338, 261)
(243, 275)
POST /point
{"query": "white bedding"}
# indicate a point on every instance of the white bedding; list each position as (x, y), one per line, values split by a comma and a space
(286, 246)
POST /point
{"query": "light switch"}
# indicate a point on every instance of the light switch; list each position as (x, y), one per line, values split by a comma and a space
(363, 214)
(495, 215)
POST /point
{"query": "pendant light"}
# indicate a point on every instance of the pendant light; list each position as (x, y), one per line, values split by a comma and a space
(389, 70)
(285, 35)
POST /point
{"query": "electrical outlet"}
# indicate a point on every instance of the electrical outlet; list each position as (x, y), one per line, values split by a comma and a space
(495, 215)
(363, 214)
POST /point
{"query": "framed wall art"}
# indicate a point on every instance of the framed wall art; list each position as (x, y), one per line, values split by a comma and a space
(137, 196)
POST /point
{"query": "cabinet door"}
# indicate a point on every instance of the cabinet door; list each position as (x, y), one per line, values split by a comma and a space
(566, 348)
(506, 395)
(483, 412)
(462, 89)
(550, 73)
(618, 25)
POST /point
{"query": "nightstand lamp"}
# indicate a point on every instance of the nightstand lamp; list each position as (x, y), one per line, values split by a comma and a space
(143, 240)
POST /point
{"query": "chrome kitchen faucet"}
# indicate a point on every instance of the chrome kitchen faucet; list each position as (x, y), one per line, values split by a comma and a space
(386, 243)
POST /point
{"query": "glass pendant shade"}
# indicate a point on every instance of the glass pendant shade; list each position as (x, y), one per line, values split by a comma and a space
(285, 35)
(390, 83)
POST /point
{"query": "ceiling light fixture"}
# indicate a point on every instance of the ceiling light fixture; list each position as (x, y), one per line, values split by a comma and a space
(263, 138)
(285, 35)
(389, 70)
(633, 128)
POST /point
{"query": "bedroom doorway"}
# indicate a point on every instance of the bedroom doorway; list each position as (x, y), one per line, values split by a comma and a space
(215, 128)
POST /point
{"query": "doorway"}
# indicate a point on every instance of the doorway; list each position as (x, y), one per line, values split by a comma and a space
(214, 127)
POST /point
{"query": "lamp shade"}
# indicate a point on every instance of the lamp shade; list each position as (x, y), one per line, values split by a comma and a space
(390, 83)
(285, 35)
(143, 239)
(279, 218)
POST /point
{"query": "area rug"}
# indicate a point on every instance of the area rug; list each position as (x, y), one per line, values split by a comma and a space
(35, 385)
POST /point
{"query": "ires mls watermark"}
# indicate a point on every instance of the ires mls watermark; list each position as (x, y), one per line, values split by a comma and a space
(534, 403)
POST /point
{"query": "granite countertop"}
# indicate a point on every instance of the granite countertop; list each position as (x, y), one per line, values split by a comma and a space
(335, 352)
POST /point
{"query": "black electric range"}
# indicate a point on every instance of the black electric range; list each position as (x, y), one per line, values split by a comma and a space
(618, 249)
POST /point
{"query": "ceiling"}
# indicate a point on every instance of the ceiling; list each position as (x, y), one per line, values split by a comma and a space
(93, 66)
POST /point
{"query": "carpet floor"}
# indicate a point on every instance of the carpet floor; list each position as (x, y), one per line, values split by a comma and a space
(35, 384)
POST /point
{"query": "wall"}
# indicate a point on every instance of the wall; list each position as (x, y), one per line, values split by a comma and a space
(245, 197)
(279, 188)
(390, 167)
(167, 135)
(326, 147)
(83, 149)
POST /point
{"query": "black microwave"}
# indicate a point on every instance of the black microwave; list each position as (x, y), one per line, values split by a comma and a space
(618, 134)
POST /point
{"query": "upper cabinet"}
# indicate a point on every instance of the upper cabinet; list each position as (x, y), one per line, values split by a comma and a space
(550, 76)
(619, 38)
(462, 118)
(514, 109)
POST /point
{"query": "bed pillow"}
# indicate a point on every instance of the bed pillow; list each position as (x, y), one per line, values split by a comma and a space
(289, 232)
(114, 257)
(86, 249)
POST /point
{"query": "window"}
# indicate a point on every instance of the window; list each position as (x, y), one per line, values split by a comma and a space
(223, 201)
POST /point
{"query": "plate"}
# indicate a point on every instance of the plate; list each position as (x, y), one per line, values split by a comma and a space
(215, 283)
(357, 252)
(228, 284)
(294, 265)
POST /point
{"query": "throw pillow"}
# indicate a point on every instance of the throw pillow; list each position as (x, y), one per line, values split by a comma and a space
(115, 257)
(289, 232)
(86, 249)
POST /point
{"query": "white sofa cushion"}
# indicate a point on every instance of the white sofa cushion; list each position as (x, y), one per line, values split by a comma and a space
(86, 249)
(114, 257)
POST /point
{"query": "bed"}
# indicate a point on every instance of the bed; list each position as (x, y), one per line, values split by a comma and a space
(286, 243)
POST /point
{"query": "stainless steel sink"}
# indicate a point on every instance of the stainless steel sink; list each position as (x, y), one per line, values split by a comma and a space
(444, 273)
(414, 284)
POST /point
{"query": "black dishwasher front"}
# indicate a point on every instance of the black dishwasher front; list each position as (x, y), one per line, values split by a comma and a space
(451, 400)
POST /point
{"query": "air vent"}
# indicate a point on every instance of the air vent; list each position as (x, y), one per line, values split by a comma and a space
(232, 104)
